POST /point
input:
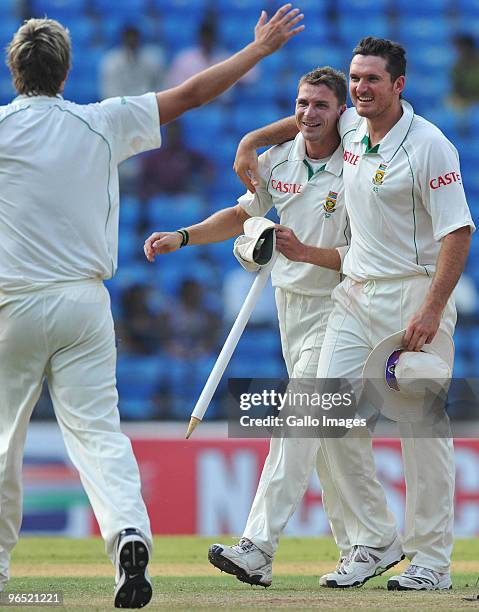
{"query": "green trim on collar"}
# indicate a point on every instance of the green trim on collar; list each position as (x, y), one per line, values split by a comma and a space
(367, 141)
(311, 172)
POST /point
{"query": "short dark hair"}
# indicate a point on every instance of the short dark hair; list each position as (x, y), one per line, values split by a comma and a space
(39, 57)
(393, 53)
(334, 79)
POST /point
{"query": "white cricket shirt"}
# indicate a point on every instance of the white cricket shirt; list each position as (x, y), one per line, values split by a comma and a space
(59, 194)
(402, 196)
(310, 203)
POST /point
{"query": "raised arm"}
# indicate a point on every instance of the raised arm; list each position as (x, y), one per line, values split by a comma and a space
(220, 226)
(269, 36)
(246, 160)
(425, 322)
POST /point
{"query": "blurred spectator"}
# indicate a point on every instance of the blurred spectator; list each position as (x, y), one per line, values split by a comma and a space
(131, 69)
(174, 168)
(189, 61)
(206, 53)
(142, 329)
(194, 328)
(236, 286)
(467, 300)
(465, 71)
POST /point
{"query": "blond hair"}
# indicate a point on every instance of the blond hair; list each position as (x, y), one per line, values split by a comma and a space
(39, 57)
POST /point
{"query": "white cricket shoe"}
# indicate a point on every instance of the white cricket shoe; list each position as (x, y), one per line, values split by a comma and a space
(324, 577)
(364, 563)
(417, 578)
(133, 585)
(243, 560)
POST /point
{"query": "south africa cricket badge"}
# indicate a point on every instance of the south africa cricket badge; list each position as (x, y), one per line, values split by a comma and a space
(329, 205)
(379, 176)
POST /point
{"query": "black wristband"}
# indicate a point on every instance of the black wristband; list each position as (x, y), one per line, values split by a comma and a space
(185, 237)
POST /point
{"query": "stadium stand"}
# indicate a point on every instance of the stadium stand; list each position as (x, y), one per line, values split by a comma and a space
(158, 385)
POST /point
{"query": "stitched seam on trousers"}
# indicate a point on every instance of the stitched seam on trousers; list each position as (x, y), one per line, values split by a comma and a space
(314, 346)
(401, 321)
(287, 352)
(337, 333)
(412, 541)
(268, 483)
(325, 453)
(333, 480)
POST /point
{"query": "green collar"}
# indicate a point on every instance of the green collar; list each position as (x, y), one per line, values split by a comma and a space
(311, 172)
(366, 140)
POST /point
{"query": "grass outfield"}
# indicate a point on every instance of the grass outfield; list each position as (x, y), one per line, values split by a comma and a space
(184, 580)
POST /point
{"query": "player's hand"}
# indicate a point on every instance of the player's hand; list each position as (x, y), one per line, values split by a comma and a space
(246, 165)
(288, 244)
(160, 243)
(422, 328)
(273, 34)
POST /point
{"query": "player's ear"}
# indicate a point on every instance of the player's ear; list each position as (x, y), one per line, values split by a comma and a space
(342, 108)
(399, 84)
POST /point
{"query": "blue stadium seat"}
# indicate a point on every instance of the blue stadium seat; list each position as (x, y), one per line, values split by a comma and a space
(316, 32)
(138, 378)
(243, 119)
(130, 246)
(235, 28)
(314, 55)
(413, 31)
(428, 8)
(128, 10)
(222, 254)
(180, 30)
(8, 27)
(9, 9)
(82, 89)
(361, 8)
(112, 28)
(210, 119)
(352, 29)
(83, 32)
(430, 90)
(58, 9)
(87, 63)
(259, 344)
(468, 7)
(186, 381)
(468, 24)
(444, 118)
(267, 368)
(197, 7)
(432, 57)
(130, 212)
(7, 91)
(171, 212)
(170, 271)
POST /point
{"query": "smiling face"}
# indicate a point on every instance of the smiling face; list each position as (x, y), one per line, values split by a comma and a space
(370, 87)
(317, 112)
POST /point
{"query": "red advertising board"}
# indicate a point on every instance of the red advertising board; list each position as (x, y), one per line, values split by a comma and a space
(207, 486)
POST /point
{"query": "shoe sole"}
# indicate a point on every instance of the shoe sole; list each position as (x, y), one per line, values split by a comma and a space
(225, 565)
(134, 589)
(332, 584)
(394, 585)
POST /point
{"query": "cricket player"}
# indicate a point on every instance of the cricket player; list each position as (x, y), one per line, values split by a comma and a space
(59, 225)
(302, 179)
(410, 235)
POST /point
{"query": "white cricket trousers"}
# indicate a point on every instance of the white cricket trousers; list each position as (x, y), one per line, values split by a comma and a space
(65, 332)
(290, 462)
(365, 313)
